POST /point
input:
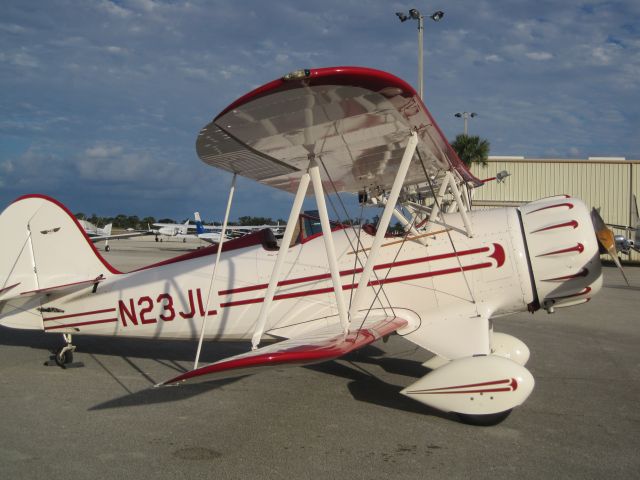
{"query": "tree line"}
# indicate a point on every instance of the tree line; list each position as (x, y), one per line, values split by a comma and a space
(133, 221)
(470, 149)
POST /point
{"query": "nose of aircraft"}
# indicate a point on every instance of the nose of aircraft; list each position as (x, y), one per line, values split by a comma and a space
(563, 251)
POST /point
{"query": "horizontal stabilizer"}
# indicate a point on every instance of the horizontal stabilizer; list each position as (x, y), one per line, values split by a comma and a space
(317, 346)
(67, 287)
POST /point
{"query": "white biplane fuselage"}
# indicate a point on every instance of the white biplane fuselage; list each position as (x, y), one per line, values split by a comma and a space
(324, 295)
(439, 290)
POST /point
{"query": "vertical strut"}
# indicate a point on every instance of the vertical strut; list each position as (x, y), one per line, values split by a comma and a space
(358, 298)
(314, 171)
(284, 247)
(215, 270)
(461, 206)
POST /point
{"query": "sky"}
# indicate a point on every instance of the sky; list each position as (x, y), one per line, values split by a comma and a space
(102, 100)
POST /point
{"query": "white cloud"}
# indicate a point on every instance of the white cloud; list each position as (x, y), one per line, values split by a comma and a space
(116, 50)
(20, 59)
(114, 9)
(539, 56)
(282, 58)
(6, 166)
(13, 28)
(103, 151)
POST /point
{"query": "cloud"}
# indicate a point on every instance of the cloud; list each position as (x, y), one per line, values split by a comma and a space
(103, 151)
(20, 59)
(110, 95)
(114, 9)
(539, 56)
(13, 28)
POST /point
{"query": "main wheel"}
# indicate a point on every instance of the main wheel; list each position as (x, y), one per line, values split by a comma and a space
(107, 248)
(63, 358)
(486, 420)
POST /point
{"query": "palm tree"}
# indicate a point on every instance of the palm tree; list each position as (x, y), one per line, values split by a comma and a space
(471, 148)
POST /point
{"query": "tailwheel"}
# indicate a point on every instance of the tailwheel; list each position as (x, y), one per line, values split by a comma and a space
(484, 420)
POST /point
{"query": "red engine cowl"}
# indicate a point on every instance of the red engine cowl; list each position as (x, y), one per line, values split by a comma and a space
(563, 251)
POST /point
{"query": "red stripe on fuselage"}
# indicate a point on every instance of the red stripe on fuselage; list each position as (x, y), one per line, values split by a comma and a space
(372, 283)
(82, 324)
(82, 314)
(498, 255)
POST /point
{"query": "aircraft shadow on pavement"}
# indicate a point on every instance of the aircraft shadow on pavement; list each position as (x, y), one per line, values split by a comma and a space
(151, 396)
(366, 387)
(166, 350)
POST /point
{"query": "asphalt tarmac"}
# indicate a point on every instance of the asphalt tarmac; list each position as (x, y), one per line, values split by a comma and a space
(341, 419)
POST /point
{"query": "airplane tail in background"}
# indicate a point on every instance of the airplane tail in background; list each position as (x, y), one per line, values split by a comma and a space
(44, 252)
(184, 229)
(199, 227)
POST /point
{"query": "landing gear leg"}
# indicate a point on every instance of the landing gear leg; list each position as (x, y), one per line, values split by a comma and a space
(63, 356)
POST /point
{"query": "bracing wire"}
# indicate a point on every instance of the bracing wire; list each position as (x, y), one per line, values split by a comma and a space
(435, 197)
(358, 242)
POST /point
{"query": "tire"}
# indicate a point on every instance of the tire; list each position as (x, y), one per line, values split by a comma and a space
(107, 248)
(486, 420)
(63, 358)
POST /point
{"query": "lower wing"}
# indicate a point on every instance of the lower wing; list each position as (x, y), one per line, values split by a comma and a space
(320, 345)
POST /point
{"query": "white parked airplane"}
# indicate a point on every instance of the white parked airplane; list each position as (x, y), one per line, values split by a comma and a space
(344, 129)
(97, 234)
(211, 233)
(171, 230)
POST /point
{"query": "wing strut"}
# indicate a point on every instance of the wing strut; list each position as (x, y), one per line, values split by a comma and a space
(392, 200)
(462, 208)
(215, 269)
(314, 171)
(282, 253)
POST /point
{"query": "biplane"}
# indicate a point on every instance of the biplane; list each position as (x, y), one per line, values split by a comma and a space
(313, 297)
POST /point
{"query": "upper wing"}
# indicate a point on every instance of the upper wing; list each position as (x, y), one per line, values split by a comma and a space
(355, 120)
(317, 346)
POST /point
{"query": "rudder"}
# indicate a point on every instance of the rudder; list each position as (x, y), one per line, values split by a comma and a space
(43, 247)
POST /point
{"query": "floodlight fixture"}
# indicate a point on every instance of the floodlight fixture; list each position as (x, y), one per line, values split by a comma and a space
(465, 116)
(414, 14)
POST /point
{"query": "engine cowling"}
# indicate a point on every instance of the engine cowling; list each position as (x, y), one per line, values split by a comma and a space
(563, 251)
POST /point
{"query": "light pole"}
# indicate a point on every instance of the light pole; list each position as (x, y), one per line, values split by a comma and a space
(416, 15)
(466, 116)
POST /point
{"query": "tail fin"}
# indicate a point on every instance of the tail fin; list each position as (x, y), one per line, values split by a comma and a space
(184, 228)
(44, 250)
(199, 228)
(107, 229)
